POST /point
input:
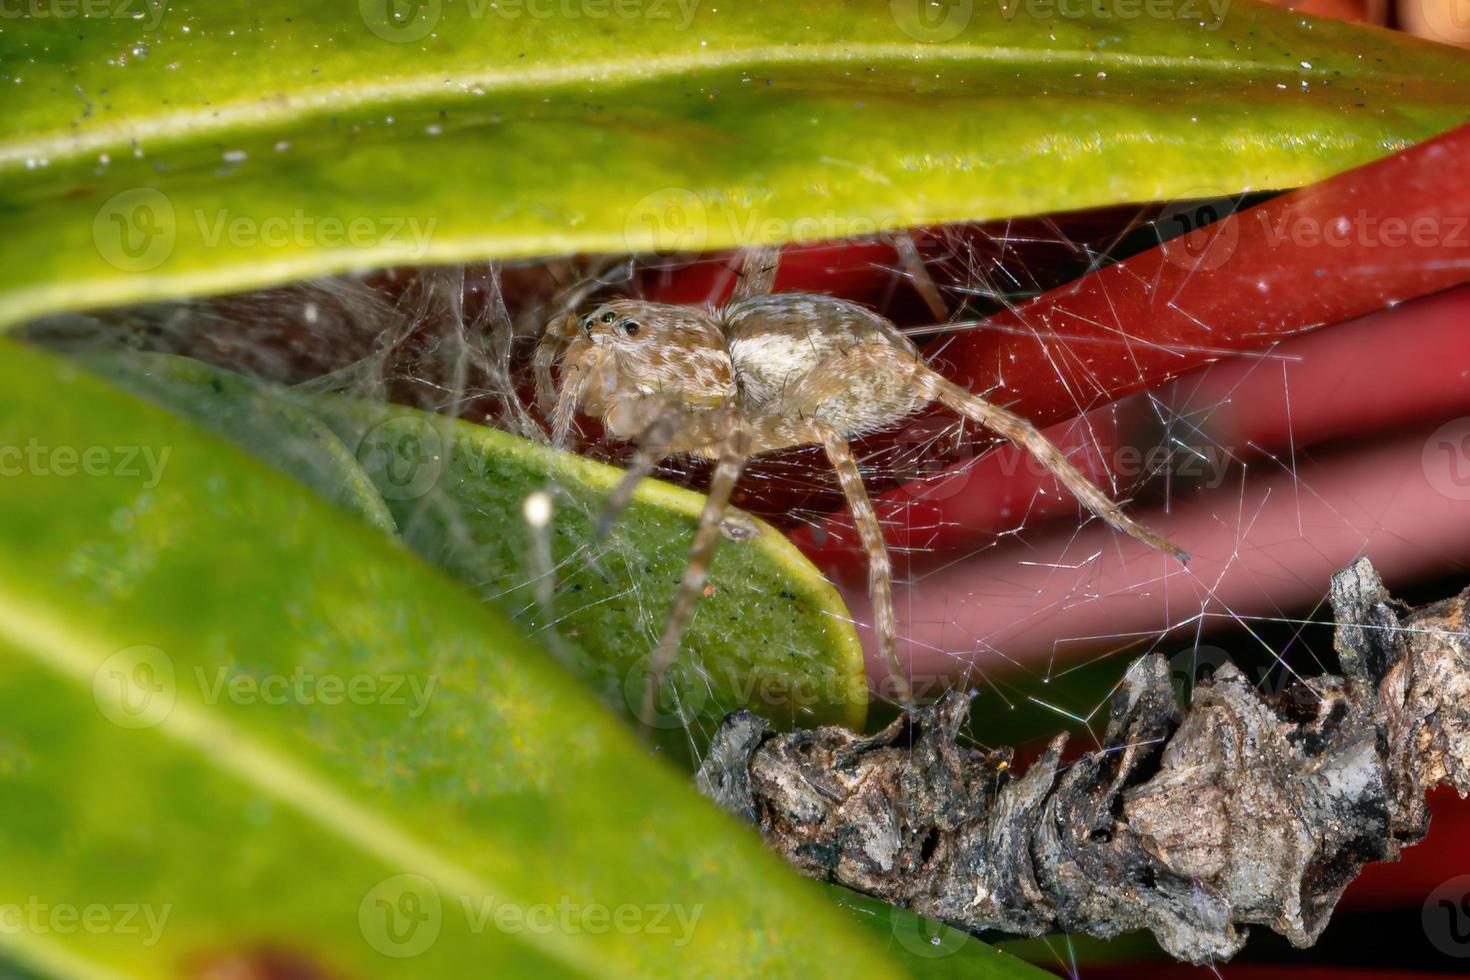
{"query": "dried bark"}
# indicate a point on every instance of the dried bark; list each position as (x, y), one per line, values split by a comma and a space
(1248, 808)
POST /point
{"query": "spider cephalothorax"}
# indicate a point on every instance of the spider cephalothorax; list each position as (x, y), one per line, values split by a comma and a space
(763, 373)
(628, 359)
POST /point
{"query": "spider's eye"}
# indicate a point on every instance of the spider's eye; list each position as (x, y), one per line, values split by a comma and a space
(607, 316)
(631, 328)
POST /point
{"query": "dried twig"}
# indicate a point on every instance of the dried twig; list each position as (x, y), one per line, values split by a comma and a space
(1248, 808)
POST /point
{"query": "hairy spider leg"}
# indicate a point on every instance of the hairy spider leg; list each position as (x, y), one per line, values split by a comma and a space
(652, 448)
(757, 275)
(923, 283)
(553, 340)
(1019, 431)
(733, 454)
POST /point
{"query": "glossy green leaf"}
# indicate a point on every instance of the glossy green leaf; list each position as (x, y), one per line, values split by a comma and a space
(770, 634)
(256, 418)
(200, 146)
(243, 728)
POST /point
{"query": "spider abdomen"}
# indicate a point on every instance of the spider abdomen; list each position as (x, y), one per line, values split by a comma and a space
(799, 355)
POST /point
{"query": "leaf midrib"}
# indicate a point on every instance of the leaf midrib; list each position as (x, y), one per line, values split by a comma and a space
(235, 116)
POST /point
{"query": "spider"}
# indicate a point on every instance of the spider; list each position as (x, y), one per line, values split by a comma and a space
(767, 371)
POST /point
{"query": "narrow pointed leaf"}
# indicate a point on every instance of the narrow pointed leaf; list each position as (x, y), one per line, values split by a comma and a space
(204, 147)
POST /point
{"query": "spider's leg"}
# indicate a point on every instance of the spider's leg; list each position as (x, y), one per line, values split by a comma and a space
(653, 445)
(757, 274)
(1018, 430)
(913, 267)
(880, 567)
(706, 535)
(563, 410)
(548, 349)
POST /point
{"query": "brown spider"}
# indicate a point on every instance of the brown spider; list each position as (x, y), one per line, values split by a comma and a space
(765, 372)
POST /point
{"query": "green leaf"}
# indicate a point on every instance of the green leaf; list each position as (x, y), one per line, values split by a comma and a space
(770, 634)
(235, 719)
(205, 147)
(256, 418)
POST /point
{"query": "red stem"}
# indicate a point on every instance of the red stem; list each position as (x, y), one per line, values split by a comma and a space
(1392, 230)
(1385, 370)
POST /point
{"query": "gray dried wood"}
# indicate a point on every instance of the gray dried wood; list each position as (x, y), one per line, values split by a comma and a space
(1248, 808)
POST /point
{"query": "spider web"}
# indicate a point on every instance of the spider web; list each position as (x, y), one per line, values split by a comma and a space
(1040, 610)
(1039, 613)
